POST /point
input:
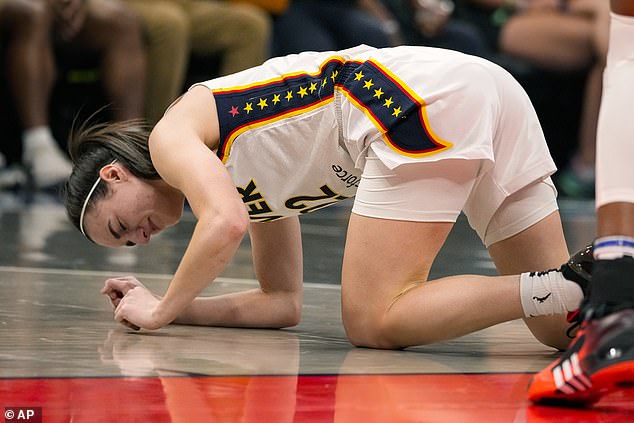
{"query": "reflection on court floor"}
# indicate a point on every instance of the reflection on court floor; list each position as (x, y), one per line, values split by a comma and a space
(62, 353)
(286, 399)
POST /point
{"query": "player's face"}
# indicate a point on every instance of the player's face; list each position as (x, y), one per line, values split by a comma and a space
(133, 211)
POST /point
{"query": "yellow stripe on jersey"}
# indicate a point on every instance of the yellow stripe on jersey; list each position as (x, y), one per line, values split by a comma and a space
(393, 108)
(251, 106)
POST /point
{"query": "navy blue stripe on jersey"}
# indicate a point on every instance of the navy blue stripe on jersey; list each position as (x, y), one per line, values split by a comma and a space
(244, 107)
(393, 108)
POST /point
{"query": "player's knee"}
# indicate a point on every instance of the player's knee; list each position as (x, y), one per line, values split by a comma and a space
(365, 330)
(371, 338)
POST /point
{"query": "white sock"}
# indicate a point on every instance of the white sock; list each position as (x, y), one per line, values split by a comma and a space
(546, 293)
(613, 247)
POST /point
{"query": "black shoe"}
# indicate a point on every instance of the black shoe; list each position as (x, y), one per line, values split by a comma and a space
(579, 270)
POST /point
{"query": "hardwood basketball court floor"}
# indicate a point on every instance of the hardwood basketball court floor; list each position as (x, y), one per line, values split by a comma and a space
(63, 357)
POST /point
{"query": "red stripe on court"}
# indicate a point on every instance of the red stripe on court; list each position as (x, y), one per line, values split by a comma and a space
(343, 399)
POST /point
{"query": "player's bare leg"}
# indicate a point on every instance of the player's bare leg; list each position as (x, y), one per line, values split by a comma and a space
(389, 303)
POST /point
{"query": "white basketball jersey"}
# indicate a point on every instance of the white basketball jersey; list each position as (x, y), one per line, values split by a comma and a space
(295, 130)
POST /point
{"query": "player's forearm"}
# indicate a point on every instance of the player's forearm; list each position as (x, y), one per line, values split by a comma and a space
(253, 308)
(212, 246)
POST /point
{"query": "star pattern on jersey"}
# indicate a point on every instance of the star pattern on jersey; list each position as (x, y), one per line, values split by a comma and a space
(313, 87)
(380, 93)
(392, 107)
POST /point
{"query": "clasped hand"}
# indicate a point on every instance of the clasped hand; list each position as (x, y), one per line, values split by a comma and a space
(134, 305)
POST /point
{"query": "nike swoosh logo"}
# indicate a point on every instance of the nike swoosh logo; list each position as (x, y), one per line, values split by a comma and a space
(542, 299)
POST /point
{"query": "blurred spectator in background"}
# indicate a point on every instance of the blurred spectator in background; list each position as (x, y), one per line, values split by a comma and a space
(331, 25)
(322, 25)
(432, 23)
(237, 33)
(558, 35)
(31, 31)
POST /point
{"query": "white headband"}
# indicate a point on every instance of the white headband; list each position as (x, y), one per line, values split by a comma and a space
(83, 209)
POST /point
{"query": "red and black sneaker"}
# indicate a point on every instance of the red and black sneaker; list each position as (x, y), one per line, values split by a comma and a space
(579, 270)
(599, 361)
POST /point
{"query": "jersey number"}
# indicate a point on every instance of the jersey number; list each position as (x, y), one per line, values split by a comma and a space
(300, 202)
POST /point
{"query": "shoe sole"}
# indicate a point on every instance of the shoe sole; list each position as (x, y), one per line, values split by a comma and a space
(612, 379)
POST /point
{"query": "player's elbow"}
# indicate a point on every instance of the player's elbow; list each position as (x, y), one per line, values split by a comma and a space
(237, 228)
(288, 309)
(294, 313)
(235, 224)
(289, 319)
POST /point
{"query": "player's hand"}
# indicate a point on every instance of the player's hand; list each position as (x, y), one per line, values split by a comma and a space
(138, 307)
(116, 288)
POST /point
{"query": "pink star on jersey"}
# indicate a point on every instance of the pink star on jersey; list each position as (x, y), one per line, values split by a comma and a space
(234, 111)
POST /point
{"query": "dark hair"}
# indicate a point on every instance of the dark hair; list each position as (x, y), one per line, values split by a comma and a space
(93, 146)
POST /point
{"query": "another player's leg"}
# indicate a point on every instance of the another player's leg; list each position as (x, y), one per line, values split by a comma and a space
(601, 358)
